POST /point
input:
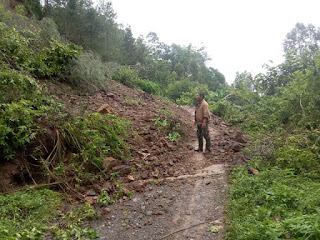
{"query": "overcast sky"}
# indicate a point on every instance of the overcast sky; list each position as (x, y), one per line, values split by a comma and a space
(238, 35)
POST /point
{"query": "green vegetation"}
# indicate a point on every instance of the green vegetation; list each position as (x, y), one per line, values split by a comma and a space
(169, 124)
(67, 150)
(26, 215)
(280, 110)
(71, 226)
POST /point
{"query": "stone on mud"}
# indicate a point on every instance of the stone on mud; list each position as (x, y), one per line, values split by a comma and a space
(253, 171)
(105, 108)
(122, 170)
(240, 138)
(110, 162)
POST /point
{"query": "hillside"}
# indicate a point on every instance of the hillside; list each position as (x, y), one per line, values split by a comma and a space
(97, 135)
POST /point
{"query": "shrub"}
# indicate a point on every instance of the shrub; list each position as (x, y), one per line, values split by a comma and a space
(55, 60)
(126, 76)
(176, 89)
(148, 86)
(130, 78)
(22, 104)
(95, 136)
(88, 72)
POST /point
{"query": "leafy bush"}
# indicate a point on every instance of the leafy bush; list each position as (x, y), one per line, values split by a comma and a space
(130, 78)
(272, 205)
(148, 86)
(22, 104)
(176, 89)
(47, 62)
(88, 72)
(54, 61)
(189, 98)
(95, 136)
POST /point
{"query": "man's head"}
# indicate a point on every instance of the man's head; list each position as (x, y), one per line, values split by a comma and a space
(200, 96)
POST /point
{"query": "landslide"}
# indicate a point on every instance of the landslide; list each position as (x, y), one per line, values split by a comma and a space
(154, 155)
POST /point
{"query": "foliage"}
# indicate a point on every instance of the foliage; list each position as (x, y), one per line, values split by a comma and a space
(176, 89)
(22, 105)
(26, 215)
(22, 53)
(281, 109)
(172, 126)
(54, 61)
(107, 200)
(72, 225)
(273, 204)
(131, 79)
(88, 72)
(95, 136)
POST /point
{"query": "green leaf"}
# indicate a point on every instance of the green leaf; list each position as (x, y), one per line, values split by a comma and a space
(214, 229)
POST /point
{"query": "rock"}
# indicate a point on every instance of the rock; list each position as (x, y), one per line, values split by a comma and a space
(91, 193)
(125, 191)
(171, 163)
(158, 213)
(139, 187)
(144, 175)
(99, 96)
(149, 213)
(236, 147)
(130, 178)
(105, 108)
(110, 162)
(106, 210)
(108, 186)
(97, 187)
(110, 95)
(253, 171)
(122, 170)
(89, 200)
(239, 138)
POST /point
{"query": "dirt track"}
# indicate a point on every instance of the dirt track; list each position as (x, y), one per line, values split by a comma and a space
(180, 207)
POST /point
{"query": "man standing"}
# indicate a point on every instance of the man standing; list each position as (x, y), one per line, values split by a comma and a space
(202, 117)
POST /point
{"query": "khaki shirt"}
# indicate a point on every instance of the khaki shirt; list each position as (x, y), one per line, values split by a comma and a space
(202, 111)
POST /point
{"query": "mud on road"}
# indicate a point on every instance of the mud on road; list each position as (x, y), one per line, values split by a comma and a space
(183, 206)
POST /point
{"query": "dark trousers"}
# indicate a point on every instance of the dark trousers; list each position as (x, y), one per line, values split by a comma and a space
(203, 133)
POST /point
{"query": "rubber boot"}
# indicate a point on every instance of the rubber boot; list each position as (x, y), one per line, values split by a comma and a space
(200, 144)
(208, 143)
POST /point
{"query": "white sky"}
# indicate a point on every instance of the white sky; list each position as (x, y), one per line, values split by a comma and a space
(238, 34)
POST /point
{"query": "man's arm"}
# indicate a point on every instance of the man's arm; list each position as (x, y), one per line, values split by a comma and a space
(204, 122)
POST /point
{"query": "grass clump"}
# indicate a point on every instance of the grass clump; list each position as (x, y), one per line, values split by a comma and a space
(26, 215)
